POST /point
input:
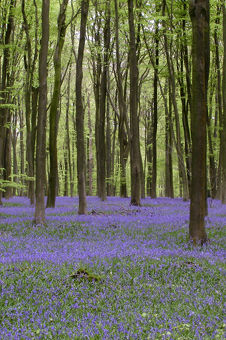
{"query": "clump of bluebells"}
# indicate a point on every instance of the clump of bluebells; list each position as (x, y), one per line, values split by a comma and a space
(120, 272)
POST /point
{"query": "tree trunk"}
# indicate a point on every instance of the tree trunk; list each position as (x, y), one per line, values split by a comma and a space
(172, 87)
(199, 13)
(81, 155)
(14, 146)
(31, 114)
(134, 119)
(67, 134)
(90, 151)
(53, 119)
(218, 106)
(4, 111)
(103, 93)
(123, 137)
(155, 116)
(223, 198)
(42, 113)
(212, 165)
(149, 152)
(21, 148)
(108, 150)
(168, 151)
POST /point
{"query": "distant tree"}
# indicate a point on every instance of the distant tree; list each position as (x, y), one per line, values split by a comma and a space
(199, 13)
(81, 153)
(42, 115)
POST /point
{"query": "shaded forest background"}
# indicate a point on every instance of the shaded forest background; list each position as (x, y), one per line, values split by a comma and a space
(96, 98)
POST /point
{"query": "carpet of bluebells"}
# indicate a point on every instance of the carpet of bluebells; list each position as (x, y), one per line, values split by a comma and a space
(119, 272)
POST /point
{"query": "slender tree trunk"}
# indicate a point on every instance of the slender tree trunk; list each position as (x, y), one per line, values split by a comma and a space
(172, 88)
(223, 198)
(67, 134)
(53, 119)
(199, 12)
(212, 165)
(103, 93)
(155, 116)
(168, 151)
(21, 147)
(41, 127)
(218, 105)
(81, 155)
(14, 147)
(149, 152)
(90, 151)
(123, 137)
(134, 119)
(108, 150)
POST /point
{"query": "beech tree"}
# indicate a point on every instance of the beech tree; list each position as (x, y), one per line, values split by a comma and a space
(81, 154)
(199, 12)
(135, 166)
(54, 107)
(42, 115)
(6, 37)
(224, 111)
(135, 86)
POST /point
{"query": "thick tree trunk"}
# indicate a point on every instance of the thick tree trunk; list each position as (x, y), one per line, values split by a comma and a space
(223, 198)
(4, 112)
(41, 126)
(199, 12)
(81, 154)
(134, 119)
(53, 119)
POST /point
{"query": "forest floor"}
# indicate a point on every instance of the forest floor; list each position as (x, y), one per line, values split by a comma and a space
(120, 272)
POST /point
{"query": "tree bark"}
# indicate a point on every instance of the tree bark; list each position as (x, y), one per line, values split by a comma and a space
(169, 192)
(155, 115)
(4, 111)
(90, 151)
(103, 93)
(81, 154)
(42, 113)
(223, 198)
(172, 88)
(134, 119)
(29, 94)
(199, 13)
(122, 134)
(53, 119)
